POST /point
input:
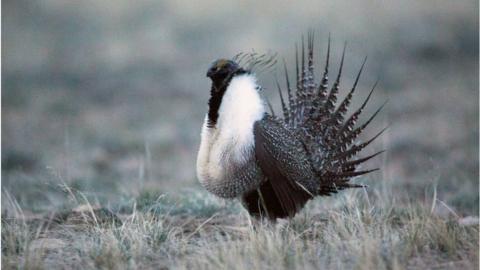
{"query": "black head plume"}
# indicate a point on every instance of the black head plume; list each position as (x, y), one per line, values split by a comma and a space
(255, 62)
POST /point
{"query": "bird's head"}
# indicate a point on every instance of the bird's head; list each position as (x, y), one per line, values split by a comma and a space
(222, 71)
(222, 68)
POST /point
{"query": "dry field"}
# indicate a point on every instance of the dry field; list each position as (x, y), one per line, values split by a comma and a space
(358, 230)
(102, 104)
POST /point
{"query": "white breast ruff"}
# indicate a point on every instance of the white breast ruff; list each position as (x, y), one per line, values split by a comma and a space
(230, 143)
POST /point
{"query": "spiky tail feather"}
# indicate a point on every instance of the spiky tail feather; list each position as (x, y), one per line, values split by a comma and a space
(312, 112)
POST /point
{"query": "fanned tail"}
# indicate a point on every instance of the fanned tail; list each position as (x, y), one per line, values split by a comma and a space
(328, 136)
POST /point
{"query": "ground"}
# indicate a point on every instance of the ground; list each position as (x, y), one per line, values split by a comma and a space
(357, 230)
(102, 104)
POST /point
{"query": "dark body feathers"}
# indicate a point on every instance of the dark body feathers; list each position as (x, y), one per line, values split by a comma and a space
(283, 159)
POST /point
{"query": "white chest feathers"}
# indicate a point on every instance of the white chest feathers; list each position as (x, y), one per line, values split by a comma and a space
(229, 144)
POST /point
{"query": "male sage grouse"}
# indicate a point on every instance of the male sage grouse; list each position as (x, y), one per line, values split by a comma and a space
(275, 165)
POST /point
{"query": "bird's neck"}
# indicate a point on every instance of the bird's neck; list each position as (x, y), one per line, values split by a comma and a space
(216, 95)
(241, 106)
(217, 91)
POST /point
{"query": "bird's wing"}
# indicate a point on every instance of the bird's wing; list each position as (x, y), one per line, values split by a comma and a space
(284, 162)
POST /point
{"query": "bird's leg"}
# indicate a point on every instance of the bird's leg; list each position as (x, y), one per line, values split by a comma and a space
(262, 203)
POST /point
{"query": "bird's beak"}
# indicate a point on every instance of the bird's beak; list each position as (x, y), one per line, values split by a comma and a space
(210, 73)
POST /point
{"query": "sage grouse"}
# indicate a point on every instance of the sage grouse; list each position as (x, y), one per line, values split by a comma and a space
(275, 165)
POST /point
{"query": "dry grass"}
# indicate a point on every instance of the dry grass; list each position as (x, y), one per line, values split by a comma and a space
(102, 103)
(351, 231)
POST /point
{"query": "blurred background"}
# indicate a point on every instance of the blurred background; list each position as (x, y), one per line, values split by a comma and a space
(108, 97)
